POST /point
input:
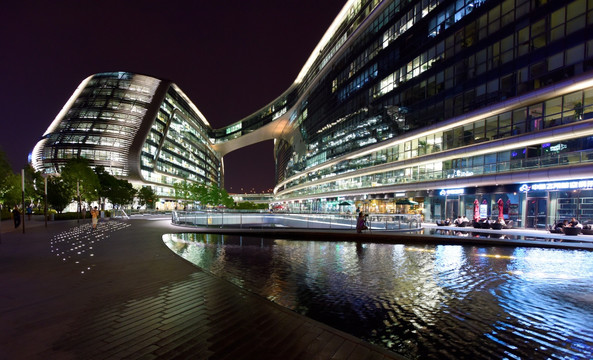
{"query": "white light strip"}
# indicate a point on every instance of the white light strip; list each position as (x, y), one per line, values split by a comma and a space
(37, 149)
(324, 40)
(191, 104)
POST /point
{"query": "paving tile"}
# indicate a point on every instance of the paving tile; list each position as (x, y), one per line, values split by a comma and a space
(140, 301)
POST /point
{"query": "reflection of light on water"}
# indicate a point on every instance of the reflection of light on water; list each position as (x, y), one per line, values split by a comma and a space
(462, 301)
(420, 250)
(544, 275)
(533, 263)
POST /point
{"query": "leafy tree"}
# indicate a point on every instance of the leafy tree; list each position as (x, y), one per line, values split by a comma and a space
(147, 196)
(226, 199)
(200, 193)
(79, 171)
(10, 192)
(182, 190)
(34, 185)
(214, 195)
(59, 193)
(121, 193)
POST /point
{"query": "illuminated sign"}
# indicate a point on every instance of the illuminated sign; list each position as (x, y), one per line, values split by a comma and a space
(558, 148)
(234, 128)
(460, 173)
(563, 185)
(446, 192)
(400, 194)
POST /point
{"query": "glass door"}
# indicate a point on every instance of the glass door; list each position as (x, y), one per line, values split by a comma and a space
(537, 213)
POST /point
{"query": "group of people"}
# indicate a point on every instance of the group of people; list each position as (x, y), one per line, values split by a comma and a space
(16, 216)
(573, 223)
(461, 220)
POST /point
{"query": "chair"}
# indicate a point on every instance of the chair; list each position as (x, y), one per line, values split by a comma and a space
(496, 226)
(571, 230)
(485, 225)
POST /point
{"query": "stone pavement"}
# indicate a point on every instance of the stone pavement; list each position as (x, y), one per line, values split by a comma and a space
(120, 293)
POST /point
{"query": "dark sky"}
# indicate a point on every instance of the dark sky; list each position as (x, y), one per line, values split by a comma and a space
(230, 57)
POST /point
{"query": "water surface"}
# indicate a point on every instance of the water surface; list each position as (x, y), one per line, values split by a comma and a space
(429, 302)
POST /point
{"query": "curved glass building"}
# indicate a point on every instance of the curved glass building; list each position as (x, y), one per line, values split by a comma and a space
(138, 127)
(426, 106)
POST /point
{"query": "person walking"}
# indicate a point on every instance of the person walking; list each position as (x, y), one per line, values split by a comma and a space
(29, 212)
(95, 217)
(360, 223)
(16, 215)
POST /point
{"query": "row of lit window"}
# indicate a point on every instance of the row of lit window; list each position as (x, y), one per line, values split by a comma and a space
(553, 112)
(408, 19)
(550, 155)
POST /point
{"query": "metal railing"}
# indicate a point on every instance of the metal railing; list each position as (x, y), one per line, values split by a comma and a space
(385, 222)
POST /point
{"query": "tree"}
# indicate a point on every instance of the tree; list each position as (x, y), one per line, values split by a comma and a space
(10, 186)
(199, 192)
(214, 195)
(226, 199)
(59, 193)
(182, 190)
(147, 196)
(78, 171)
(34, 185)
(119, 192)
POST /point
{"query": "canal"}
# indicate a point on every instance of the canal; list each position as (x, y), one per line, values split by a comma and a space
(423, 302)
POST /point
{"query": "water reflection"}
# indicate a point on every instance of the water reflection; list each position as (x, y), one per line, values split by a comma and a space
(433, 302)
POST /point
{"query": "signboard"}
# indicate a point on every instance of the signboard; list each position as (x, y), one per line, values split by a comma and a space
(562, 185)
(483, 211)
(446, 192)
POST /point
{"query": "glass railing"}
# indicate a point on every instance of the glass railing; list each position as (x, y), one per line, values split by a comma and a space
(549, 160)
(384, 222)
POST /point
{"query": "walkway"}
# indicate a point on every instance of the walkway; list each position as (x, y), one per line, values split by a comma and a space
(119, 292)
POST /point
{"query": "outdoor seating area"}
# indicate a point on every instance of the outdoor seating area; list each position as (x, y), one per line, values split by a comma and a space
(571, 228)
(491, 224)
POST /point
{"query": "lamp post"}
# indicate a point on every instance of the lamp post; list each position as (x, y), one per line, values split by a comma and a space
(45, 200)
(78, 197)
(23, 187)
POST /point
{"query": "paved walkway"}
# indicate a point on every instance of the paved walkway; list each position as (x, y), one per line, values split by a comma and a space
(119, 292)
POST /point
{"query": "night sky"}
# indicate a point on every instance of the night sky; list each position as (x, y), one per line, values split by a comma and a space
(230, 57)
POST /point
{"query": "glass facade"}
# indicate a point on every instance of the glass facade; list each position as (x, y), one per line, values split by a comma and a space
(411, 97)
(138, 127)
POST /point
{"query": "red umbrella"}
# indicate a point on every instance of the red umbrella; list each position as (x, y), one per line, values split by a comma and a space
(476, 210)
(500, 208)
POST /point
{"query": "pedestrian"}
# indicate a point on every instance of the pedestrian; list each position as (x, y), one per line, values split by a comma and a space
(361, 223)
(16, 215)
(83, 212)
(29, 212)
(95, 217)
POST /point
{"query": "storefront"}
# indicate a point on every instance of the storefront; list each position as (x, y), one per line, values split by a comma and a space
(531, 205)
(485, 202)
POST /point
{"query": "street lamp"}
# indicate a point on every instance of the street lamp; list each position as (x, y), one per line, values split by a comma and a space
(23, 187)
